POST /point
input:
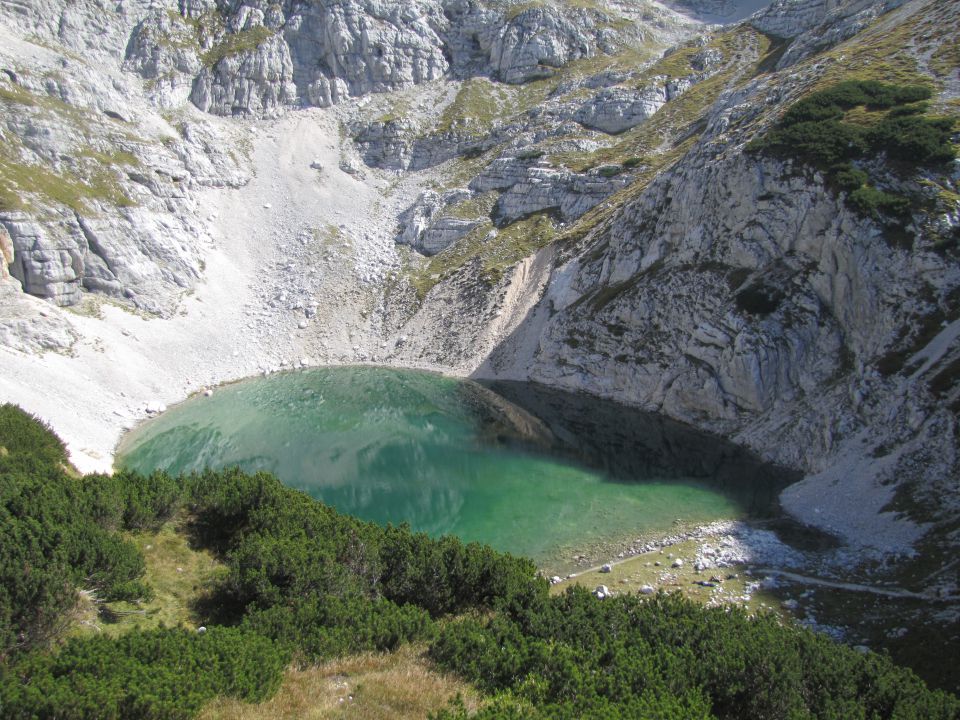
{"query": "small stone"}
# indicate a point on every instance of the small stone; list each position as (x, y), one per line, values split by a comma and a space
(201, 630)
(602, 591)
(605, 568)
(678, 563)
(267, 206)
(208, 392)
(647, 590)
(302, 325)
(555, 579)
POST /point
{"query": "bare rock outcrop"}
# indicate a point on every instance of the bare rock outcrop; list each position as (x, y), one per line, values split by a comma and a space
(530, 185)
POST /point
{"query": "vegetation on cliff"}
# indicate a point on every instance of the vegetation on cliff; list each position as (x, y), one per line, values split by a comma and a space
(844, 129)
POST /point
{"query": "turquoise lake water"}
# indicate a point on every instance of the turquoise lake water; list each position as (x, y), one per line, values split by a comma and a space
(526, 469)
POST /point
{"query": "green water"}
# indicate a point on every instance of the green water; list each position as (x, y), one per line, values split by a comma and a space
(445, 455)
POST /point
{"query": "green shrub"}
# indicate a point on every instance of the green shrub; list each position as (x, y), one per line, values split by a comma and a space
(913, 139)
(59, 533)
(28, 443)
(848, 178)
(814, 130)
(323, 626)
(609, 171)
(305, 581)
(667, 657)
(446, 576)
(870, 201)
(158, 674)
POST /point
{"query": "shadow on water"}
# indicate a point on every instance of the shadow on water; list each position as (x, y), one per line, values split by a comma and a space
(625, 443)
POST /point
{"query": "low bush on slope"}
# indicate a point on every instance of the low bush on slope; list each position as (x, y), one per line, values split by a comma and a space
(572, 656)
(826, 131)
(57, 534)
(305, 583)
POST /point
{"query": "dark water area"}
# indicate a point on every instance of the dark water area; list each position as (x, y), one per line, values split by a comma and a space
(527, 469)
(626, 443)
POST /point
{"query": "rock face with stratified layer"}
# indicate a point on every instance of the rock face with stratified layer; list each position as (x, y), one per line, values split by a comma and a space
(258, 58)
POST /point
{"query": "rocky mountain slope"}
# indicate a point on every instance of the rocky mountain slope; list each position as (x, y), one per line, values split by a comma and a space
(845, 367)
(567, 192)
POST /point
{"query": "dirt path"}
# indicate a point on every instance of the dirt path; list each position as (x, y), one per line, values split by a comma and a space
(854, 587)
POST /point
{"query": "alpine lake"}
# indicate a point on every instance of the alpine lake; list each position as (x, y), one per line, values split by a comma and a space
(527, 469)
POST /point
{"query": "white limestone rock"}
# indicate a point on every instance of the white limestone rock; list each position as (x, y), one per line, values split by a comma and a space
(426, 230)
(617, 109)
(257, 81)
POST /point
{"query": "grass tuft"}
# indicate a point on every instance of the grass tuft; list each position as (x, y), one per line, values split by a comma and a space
(403, 685)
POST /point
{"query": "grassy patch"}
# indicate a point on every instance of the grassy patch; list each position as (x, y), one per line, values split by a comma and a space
(628, 59)
(677, 63)
(14, 95)
(115, 157)
(480, 104)
(19, 181)
(55, 47)
(510, 245)
(237, 43)
(892, 52)
(178, 574)
(458, 172)
(516, 10)
(478, 206)
(402, 685)
(655, 569)
(652, 143)
(88, 179)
